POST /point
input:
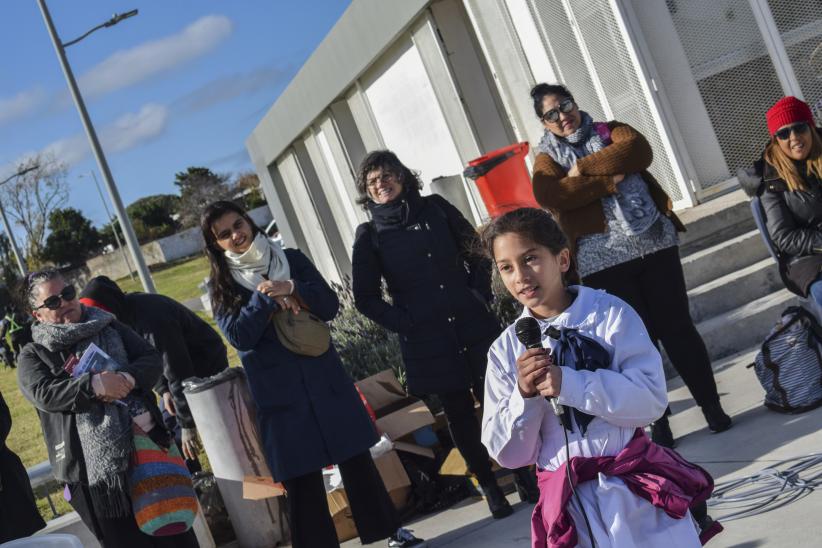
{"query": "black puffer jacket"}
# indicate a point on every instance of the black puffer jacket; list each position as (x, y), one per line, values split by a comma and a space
(794, 221)
(439, 288)
(189, 346)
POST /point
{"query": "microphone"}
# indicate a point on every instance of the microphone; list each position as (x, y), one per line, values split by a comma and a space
(529, 334)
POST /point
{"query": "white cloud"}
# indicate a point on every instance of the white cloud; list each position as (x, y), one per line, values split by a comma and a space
(232, 86)
(20, 105)
(129, 131)
(131, 66)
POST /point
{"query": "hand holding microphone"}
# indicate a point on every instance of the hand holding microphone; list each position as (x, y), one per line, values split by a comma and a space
(536, 372)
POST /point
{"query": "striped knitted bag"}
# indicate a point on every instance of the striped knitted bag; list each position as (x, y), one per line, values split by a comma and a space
(162, 495)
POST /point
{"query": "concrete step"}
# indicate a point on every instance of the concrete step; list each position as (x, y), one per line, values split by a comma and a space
(734, 289)
(715, 221)
(723, 258)
(745, 326)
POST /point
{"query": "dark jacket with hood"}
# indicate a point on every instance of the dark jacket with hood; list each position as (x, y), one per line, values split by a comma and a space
(18, 512)
(793, 220)
(188, 345)
(58, 396)
(440, 290)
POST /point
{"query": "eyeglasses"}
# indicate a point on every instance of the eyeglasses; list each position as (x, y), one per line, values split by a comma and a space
(566, 106)
(53, 302)
(386, 177)
(784, 133)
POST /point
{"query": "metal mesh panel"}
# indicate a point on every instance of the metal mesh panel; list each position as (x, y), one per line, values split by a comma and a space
(800, 27)
(620, 82)
(732, 70)
(614, 68)
(558, 37)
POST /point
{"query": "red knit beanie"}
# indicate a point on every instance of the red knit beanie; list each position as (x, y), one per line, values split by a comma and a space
(788, 110)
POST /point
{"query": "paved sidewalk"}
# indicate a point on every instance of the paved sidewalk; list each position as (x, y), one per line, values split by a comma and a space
(758, 439)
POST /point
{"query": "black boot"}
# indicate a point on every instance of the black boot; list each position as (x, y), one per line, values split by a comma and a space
(526, 482)
(496, 501)
(717, 419)
(661, 433)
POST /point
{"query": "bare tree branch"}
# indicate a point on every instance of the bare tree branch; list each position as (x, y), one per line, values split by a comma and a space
(30, 198)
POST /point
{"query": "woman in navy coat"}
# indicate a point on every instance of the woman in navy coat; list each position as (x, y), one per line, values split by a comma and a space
(309, 412)
(423, 248)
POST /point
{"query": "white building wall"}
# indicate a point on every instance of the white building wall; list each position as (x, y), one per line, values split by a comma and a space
(408, 115)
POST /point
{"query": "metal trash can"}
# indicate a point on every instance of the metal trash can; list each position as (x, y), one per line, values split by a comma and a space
(225, 414)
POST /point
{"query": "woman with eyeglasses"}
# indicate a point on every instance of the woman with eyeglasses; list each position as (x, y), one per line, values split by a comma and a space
(592, 176)
(791, 193)
(88, 419)
(423, 247)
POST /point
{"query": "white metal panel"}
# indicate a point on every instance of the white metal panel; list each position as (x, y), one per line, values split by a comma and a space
(405, 108)
(330, 187)
(310, 223)
(336, 159)
(679, 91)
(536, 52)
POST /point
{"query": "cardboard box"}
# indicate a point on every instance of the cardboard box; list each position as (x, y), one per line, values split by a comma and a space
(405, 420)
(396, 481)
(261, 487)
(382, 390)
(341, 515)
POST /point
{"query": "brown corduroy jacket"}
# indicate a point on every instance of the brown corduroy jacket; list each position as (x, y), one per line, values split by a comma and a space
(576, 201)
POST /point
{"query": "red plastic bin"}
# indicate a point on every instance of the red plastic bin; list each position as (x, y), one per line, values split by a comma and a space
(503, 179)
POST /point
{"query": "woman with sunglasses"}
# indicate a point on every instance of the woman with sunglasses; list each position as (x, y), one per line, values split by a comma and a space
(88, 419)
(791, 194)
(593, 178)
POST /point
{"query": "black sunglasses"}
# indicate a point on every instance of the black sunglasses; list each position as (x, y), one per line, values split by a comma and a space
(784, 133)
(566, 106)
(53, 302)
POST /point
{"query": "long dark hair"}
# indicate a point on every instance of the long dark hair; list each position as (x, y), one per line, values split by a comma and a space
(388, 162)
(225, 298)
(536, 225)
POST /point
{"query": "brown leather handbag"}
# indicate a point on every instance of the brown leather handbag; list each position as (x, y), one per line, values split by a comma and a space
(302, 333)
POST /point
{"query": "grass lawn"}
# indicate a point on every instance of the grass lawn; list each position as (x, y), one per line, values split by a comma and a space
(180, 281)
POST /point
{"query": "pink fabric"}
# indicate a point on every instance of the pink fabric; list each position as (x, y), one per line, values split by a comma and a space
(604, 132)
(657, 474)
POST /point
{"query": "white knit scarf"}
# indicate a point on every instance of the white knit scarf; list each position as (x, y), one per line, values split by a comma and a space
(264, 260)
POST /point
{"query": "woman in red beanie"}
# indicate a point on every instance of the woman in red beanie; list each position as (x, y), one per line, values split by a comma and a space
(791, 190)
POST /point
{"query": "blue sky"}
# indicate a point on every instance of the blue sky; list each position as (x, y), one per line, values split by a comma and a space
(181, 84)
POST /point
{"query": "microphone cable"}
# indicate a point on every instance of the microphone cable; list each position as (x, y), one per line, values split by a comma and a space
(573, 489)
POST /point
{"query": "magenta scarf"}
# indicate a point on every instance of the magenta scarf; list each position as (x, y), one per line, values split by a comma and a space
(657, 474)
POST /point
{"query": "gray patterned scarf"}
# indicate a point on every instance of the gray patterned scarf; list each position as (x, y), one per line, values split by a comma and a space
(105, 430)
(631, 205)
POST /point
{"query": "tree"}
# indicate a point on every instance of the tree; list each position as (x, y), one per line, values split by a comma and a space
(30, 199)
(153, 216)
(8, 264)
(199, 186)
(248, 184)
(72, 238)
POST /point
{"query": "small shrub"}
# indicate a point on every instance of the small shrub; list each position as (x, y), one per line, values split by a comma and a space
(365, 347)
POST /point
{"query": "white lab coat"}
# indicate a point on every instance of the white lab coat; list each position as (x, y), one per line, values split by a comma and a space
(631, 393)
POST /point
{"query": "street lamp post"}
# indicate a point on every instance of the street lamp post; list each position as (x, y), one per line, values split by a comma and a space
(125, 223)
(20, 264)
(111, 221)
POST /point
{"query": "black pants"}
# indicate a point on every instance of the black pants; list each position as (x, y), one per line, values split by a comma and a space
(654, 286)
(122, 532)
(462, 420)
(371, 507)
